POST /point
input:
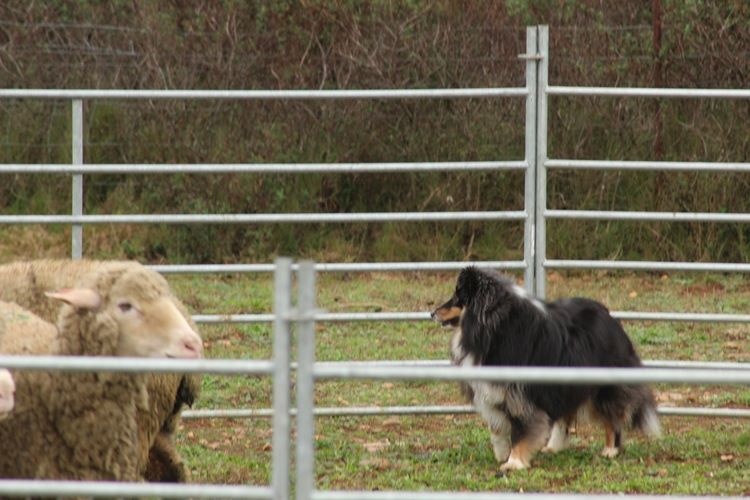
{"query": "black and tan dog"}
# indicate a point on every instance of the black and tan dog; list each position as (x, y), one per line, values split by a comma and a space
(497, 323)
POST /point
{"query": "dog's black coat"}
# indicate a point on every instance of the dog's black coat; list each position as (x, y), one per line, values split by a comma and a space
(502, 326)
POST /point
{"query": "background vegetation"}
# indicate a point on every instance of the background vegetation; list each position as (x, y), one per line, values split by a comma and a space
(330, 44)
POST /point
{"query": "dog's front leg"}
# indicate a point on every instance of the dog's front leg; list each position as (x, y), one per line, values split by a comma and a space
(500, 427)
(500, 444)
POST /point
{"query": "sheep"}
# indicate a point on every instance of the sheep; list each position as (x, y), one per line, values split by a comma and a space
(83, 425)
(7, 392)
(26, 283)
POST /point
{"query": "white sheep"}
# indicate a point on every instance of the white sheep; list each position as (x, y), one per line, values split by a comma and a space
(7, 392)
(83, 425)
(26, 283)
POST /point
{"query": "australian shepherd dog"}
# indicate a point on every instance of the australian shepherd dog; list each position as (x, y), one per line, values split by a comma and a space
(496, 323)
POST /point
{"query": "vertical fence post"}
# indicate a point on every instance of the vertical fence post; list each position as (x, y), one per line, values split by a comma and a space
(305, 382)
(541, 159)
(529, 247)
(281, 378)
(77, 194)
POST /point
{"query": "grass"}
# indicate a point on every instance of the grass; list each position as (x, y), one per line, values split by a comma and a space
(452, 452)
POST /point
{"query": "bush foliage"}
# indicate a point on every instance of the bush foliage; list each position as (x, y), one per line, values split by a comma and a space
(329, 44)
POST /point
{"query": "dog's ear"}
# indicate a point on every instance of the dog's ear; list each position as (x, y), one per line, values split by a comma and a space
(467, 284)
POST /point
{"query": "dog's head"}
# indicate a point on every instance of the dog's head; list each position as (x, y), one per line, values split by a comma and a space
(467, 287)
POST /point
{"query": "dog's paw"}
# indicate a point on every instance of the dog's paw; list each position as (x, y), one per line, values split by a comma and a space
(610, 452)
(513, 464)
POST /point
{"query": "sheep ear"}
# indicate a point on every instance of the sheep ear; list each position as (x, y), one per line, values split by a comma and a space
(80, 298)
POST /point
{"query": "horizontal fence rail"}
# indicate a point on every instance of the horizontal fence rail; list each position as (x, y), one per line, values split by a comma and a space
(341, 267)
(297, 218)
(265, 367)
(263, 168)
(611, 265)
(105, 489)
(137, 365)
(458, 93)
(379, 411)
(425, 316)
(648, 216)
(677, 93)
(650, 166)
(537, 375)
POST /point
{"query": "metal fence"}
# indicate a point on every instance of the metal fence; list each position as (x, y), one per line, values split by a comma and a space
(535, 216)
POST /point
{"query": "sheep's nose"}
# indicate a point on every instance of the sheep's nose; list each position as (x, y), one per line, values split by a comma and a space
(194, 346)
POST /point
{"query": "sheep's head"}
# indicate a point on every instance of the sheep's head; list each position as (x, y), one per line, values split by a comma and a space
(7, 393)
(143, 309)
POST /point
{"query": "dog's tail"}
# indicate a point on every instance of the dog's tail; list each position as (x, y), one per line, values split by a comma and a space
(645, 417)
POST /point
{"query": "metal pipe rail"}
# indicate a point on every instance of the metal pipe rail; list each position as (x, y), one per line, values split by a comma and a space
(425, 316)
(537, 375)
(68, 94)
(617, 265)
(649, 363)
(137, 365)
(651, 166)
(113, 489)
(340, 267)
(648, 216)
(299, 218)
(261, 168)
(681, 316)
(676, 93)
(377, 411)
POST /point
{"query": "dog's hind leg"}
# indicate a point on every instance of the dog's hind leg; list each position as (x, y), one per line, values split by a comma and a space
(612, 439)
(527, 438)
(558, 439)
(611, 409)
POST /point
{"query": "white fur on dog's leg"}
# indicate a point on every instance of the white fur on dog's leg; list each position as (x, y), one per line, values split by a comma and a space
(610, 452)
(513, 463)
(558, 439)
(500, 446)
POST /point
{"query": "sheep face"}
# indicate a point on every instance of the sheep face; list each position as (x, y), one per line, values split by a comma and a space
(155, 329)
(7, 393)
(139, 303)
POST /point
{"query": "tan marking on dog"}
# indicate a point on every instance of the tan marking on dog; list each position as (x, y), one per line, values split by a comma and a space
(444, 314)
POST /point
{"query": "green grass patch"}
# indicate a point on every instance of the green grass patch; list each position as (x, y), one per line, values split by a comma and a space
(452, 452)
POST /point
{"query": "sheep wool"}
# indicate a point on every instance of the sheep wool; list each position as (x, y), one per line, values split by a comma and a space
(7, 393)
(84, 425)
